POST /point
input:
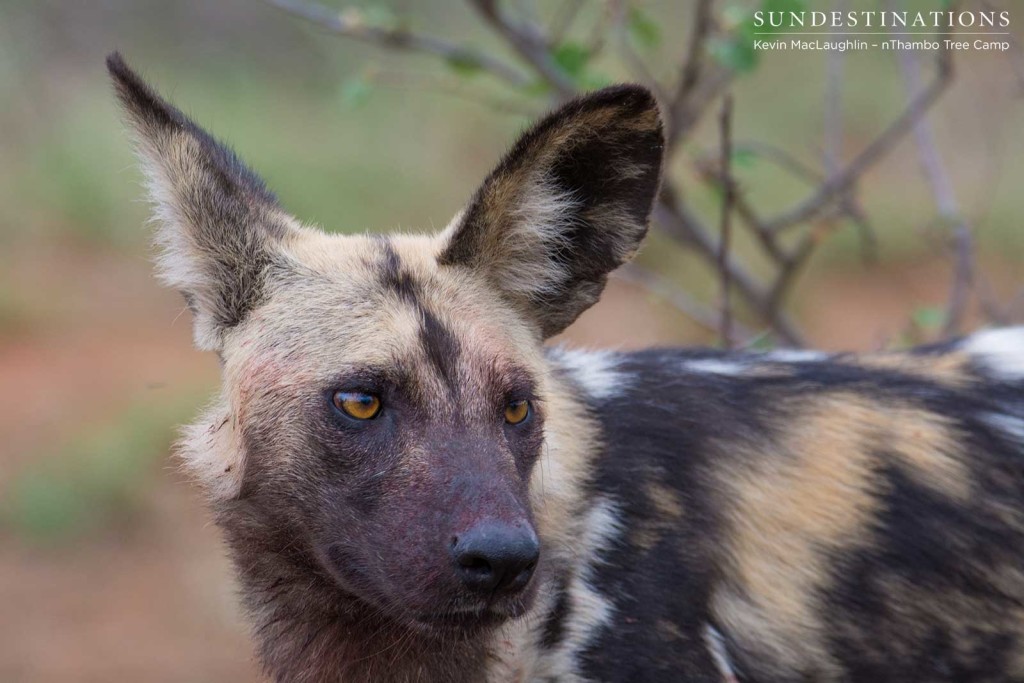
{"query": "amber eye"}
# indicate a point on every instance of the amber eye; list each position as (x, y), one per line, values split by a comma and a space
(517, 411)
(357, 405)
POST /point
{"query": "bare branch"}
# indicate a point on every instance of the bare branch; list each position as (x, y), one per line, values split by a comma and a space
(946, 203)
(849, 207)
(711, 172)
(728, 199)
(683, 107)
(832, 142)
(832, 128)
(694, 60)
(782, 159)
(532, 46)
(842, 182)
(681, 224)
(453, 87)
(351, 24)
(793, 266)
(700, 80)
(613, 14)
(563, 21)
(989, 302)
(528, 44)
(676, 297)
(633, 61)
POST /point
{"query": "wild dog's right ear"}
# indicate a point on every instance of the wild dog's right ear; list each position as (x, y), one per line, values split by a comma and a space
(219, 226)
(567, 205)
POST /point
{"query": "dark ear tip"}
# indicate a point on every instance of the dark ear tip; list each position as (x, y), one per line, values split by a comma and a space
(115, 64)
(141, 102)
(631, 96)
(124, 78)
(627, 92)
(631, 101)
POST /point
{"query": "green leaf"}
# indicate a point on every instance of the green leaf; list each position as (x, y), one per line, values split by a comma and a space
(643, 28)
(572, 58)
(784, 5)
(736, 48)
(356, 92)
(929, 317)
(464, 65)
(537, 88)
(743, 158)
(735, 52)
(593, 80)
(379, 16)
(47, 507)
(762, 342)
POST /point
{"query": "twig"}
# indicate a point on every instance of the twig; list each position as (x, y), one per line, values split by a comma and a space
(681, 106)
(728, 199)
(946, 203)
(676, 297)
(832, 128)
(681, 224)
(711, 172)
(563, 21)
(849, 207)
(351, 24)
(989, 301)
(841, 183)
(683, 120)
(794, 265)
(529, 45)
(782, 159)
(453, 87)
(832, 143)
(613, 14)
(634, 61)
(532, 46)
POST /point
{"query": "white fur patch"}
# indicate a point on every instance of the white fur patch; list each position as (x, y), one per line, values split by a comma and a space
(1000, 351)
(718, 652)
(717, 366)
(1011, 425)
(177, 262)
(796, 356)
(591, 611)
(596, 372)
(211, 453)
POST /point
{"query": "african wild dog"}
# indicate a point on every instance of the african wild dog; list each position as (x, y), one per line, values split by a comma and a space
(413, 488)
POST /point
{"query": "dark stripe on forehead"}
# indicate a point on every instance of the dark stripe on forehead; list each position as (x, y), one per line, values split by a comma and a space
(441, 346)
(393, 277)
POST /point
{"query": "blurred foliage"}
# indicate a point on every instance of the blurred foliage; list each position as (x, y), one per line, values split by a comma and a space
(97, 480)
(737, 51)
(343, 130)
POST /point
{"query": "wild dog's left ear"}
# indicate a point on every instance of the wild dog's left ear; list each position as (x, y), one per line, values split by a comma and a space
(567, 205)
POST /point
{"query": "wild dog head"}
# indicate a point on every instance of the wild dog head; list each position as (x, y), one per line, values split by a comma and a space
(383, 400)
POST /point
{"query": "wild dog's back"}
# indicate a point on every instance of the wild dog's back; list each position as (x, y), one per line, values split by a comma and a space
(855, 518)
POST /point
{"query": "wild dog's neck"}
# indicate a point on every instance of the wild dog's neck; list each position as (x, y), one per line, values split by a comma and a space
(308, 629)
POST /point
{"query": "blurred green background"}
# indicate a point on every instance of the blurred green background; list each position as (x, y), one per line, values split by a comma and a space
(109, 569)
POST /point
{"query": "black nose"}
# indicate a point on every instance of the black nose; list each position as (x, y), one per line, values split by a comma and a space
(496, 558)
